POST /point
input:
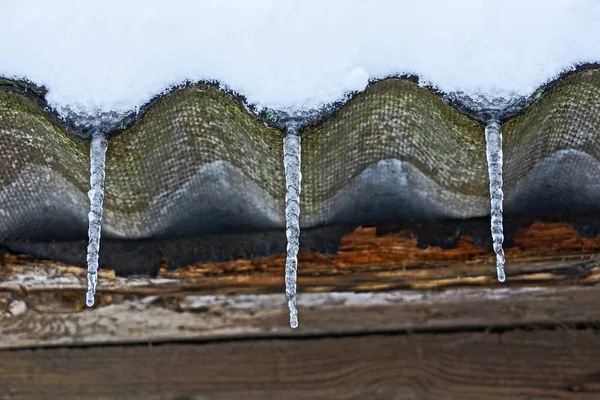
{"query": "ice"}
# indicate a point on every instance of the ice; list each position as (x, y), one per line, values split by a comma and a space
(110, 55)
(293, 177)
(493, 140)
(98, 149)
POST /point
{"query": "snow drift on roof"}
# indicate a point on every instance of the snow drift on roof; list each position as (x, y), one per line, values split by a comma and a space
(111, 55)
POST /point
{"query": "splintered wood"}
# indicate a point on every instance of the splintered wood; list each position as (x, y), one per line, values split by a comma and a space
(373, 283)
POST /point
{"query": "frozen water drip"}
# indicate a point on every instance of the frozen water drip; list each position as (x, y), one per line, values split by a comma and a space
(493, 145)
(98, 149)
(293, 177)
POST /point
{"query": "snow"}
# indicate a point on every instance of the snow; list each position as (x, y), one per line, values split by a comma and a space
(108, 55)
(98, 149)
(293, 178)
(493, 140)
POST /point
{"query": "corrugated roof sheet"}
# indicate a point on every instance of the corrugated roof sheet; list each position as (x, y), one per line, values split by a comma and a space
(198, 162)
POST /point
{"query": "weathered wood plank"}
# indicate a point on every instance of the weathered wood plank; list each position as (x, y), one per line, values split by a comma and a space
(559, 364)
(401, 286)
(544, 254)
(54, 319)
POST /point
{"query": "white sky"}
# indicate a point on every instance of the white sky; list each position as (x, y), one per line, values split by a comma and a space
(115, 55)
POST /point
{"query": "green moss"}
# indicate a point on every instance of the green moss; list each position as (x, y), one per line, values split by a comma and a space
(29, 137)
(180, 133)
(566, 116)
(396, 119)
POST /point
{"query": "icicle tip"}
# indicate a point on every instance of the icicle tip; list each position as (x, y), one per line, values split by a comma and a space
(89, 299)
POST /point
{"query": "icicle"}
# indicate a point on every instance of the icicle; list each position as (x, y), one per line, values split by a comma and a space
(291, 163)
(96, 194)
(493, 140)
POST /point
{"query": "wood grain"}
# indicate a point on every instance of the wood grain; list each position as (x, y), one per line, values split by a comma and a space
(515, 365)
(374, 283)
(51, 319)
(545, 254)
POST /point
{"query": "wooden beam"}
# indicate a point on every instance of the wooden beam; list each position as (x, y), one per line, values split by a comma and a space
(514, 365)
(51, 318)
(550, 253)
(374, 283)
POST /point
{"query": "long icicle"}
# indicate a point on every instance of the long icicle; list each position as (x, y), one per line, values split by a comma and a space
(98, 149)
(293, 177)
(493, 142)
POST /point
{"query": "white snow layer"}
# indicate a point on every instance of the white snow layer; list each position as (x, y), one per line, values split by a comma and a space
(103, 55)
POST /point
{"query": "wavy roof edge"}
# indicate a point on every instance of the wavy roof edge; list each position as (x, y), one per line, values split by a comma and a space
(112, 122)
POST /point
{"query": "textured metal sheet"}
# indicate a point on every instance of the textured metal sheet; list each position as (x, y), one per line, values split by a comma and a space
(196, 161)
